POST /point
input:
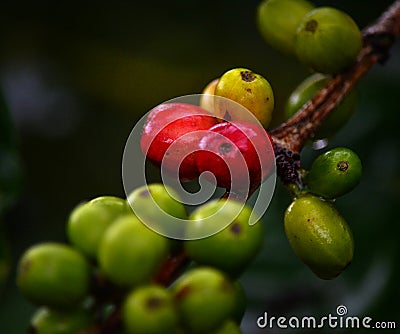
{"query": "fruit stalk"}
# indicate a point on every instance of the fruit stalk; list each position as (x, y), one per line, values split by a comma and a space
(378, 38)
(293, 134)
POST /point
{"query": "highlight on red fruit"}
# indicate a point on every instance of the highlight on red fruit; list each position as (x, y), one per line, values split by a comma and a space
(180, 125)
(239, 154)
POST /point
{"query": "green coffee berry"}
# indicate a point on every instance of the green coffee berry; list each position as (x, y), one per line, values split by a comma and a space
(319, 235)
(328, 40)
(150, 310)
(334, 173)
(229, 327)
(157, 205)
(130, 253)
(53, 274)
(307, 90)
(232, 249)
(278, 20)
(88, 221)
(250, 90)
(205, 299)
(48, 321)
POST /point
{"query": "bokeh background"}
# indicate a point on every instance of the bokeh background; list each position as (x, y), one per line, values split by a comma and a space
(76, 76)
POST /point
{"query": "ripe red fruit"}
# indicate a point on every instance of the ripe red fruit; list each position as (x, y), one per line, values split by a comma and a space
(239, 154)
(175, 124)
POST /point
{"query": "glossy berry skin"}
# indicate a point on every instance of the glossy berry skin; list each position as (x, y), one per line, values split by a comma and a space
(319, 235)
(53, 274)
(250, 90)
(130, 253)
(306, 90)
(205, 299)
(158, 206)
(165, 126)
(328, 40)
(48, 321)
(241, 154)
(334, 173)
(88, 221)
(278, 20)
(147, 197)
(232, 249)
(150, 309)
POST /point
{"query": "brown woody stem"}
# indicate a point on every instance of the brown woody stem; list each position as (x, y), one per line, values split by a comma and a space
(378, 38)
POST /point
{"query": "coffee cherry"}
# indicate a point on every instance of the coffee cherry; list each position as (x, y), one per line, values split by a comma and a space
(53, 274)
(130, 253)
(48, 321)
(278, 20)
(334, 173)
(88, 221)
(148, 197)
(205, 299)
(207, 98)
(158, 206)
(175, 124)
(307, 90)
(319, 235)
(229, 327)
(241, 154)
(231, 249)
(327, 40)
(150, 310)
(250, 90)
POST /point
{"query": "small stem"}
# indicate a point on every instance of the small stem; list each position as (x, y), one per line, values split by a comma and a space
(171, 269)
(295, 132)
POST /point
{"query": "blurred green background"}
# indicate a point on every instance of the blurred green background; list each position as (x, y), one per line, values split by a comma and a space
(76, 76)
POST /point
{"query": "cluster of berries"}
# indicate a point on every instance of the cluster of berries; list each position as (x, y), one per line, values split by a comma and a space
(113, 264)
(186, 140)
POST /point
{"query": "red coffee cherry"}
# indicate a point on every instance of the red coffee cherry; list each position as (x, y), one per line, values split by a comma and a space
(239, 154)
(175, 124)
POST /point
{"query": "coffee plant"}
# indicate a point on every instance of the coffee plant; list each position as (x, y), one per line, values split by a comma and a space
(123, 272)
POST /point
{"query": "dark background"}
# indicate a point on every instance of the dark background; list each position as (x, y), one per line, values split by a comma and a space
(77, 76)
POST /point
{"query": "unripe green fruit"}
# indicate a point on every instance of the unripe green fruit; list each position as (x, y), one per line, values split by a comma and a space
(53, 274)
(328, 40)
(307, 90)
(334, 173)
(250, 90)
(229, 327)
(278, 20)
(88, 221)
(47, 321)
(319, 235)
(231, 249)
(150, 310)
(205, 299)
(157, 205)
(130, 253)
